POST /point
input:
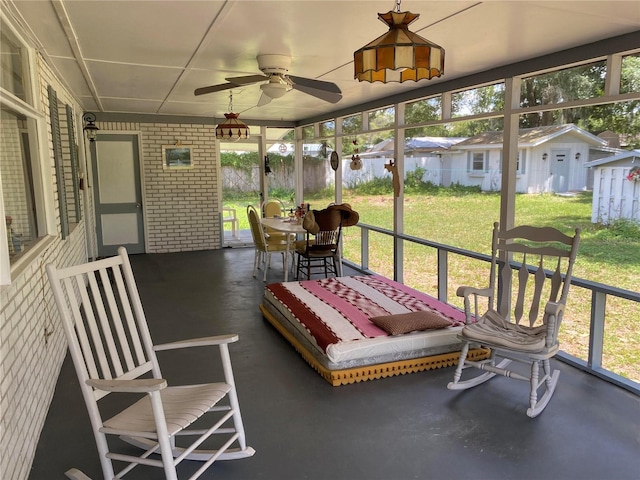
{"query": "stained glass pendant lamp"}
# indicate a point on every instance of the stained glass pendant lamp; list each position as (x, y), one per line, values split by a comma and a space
(232, 129)
(398, 55)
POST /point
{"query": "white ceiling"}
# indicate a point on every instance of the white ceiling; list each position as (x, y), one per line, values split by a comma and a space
(149, 56)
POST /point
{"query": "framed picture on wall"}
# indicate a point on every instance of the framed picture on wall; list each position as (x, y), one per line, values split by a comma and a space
(177, 156)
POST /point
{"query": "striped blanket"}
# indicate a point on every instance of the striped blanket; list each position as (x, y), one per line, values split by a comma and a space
(337, 310)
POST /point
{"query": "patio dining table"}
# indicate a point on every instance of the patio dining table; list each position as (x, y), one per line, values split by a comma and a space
(284, 225)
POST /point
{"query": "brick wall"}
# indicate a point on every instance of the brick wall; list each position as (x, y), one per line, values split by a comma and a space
(180, 205)
(30, 361)
(181, 214)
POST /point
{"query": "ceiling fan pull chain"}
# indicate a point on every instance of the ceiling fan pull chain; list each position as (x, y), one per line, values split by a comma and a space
(398, 5)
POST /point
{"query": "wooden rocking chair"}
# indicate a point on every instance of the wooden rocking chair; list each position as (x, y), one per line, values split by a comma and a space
(521, 257)
(112, 352)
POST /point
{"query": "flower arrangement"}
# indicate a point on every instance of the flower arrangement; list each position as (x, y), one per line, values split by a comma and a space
(634, 175)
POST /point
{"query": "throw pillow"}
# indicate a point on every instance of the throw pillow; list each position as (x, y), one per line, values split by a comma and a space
(410, 322)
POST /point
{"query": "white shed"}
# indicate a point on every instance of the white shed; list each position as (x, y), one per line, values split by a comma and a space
(615, 195)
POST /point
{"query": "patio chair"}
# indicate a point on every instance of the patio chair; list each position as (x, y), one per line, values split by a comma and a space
(229, 216)
(264, 245)
(113, 354)
(274, 208)
(528, 287)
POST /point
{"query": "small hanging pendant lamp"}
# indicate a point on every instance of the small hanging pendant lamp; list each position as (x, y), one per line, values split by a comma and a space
(398, 55)
(232, 129)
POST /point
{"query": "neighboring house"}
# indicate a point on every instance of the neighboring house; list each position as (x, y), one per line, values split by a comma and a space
(615, 195)
(431, 154)
(428, 153)
(550, 159)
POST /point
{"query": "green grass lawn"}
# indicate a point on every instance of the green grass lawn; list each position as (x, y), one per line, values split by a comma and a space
(609, 255)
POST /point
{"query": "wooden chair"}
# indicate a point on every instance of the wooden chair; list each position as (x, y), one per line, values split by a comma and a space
(320, 249)
(526, 304)
(264, 246)
(113, 353)
(321, 246)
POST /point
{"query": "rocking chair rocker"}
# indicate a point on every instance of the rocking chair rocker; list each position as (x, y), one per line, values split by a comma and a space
(112, 349)
(512, 333)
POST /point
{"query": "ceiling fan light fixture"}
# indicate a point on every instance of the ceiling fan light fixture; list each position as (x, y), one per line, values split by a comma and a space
(274, 90)
(399, 55)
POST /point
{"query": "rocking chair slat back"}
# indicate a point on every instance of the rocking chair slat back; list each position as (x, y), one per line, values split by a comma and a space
(523, 277)
(528, 276)
(117, 325)
(82, 345)
(556, 282)
(103, 328)
(540, 278)
(104, 331)
(130, 318)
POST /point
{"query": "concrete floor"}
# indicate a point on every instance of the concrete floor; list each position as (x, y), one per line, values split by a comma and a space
(407, 427)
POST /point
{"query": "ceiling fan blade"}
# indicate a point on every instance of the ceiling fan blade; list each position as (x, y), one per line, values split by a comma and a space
(331, 97)
(264, 99)
(233, 83)
(315, 84)
(214, 88)
(247, 80)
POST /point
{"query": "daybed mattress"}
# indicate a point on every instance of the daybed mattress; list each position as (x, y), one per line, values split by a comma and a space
(330, 319)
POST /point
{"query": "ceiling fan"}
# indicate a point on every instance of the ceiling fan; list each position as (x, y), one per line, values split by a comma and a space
(278, 82)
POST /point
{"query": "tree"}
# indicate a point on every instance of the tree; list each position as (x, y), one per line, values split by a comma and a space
(586, 81)
(485, 99)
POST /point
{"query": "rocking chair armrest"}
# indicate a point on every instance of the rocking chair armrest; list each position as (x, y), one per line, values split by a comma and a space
(144, 385)
(198, 342)
(553, 312)
(471, 312)
(553, 308)
(465, 291)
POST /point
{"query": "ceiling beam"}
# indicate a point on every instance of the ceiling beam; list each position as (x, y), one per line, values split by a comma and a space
(600, 49)
(72, 38)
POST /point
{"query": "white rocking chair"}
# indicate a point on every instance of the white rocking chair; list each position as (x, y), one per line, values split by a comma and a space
(112, 349)
(513, 334)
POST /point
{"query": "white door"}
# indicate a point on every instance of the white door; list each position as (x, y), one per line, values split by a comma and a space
(560, 170)
(117, 194)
